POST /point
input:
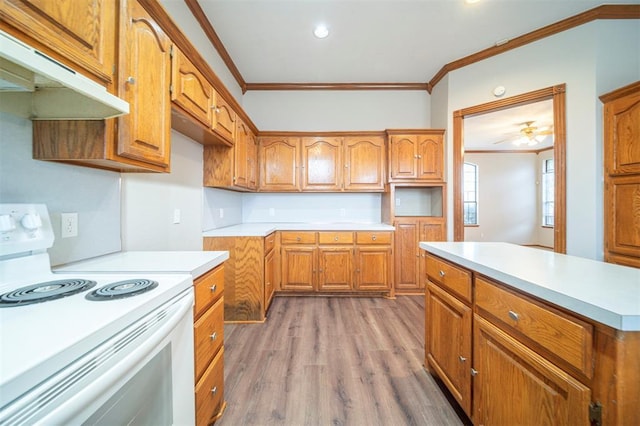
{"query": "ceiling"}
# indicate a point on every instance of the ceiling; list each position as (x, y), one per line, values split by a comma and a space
(384, 41)
(498, 130)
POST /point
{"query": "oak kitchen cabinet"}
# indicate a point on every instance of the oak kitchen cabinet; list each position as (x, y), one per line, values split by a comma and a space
(500, 337)
(208, 337)
(250, 275)
(416, 155)
(139, 141)
(322, 163)
(233, 167)
(81, 33)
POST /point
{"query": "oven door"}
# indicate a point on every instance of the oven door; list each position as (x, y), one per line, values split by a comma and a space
(141, 376)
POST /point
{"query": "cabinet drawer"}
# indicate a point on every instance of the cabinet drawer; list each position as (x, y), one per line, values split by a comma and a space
(453, 278)
(208, 288)
(335, 237)
(208, 335)
(565, 337)
(295, 237)
(373, 237)
(210, 391)
(269, 242)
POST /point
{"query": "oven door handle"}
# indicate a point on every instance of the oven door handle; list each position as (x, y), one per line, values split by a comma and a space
(83, 403)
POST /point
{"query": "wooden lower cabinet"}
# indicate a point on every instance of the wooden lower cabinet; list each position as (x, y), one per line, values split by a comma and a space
(208, 336)
(250, 276)
(516, 386)
(315, 262)
(448, 349)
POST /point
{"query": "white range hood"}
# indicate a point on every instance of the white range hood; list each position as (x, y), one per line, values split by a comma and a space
(36, 86)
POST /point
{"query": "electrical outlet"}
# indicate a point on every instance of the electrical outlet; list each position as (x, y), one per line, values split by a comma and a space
(68, 225)
(176, 216)
(343, 212)
(272, 212)
(221, 213)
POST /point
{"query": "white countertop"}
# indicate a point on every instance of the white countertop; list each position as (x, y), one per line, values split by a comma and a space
(604, 292)
(264, 229)
(195, 263)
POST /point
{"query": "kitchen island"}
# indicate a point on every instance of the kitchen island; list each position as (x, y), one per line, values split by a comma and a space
(523, 335)
(301, 258)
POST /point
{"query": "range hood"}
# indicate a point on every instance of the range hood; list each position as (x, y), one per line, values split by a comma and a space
(35, 86)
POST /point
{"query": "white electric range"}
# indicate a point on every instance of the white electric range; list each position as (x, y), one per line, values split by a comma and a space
(72, 345)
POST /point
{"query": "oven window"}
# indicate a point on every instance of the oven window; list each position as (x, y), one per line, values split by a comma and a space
(144, 400)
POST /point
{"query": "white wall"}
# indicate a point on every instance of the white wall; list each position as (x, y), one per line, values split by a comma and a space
(581, 57)
(339, 110)
(149, 201)
(94, 194)
(215, 200)
(507, 198)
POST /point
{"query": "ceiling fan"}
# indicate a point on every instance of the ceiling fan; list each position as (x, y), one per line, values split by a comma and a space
(529, 134)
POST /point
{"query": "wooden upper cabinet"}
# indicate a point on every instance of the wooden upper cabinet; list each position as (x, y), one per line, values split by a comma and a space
(252, 161)
(416, 156)
(223, 119)
(145, 77)
(78, 32)
(279, 159)
(364, 163)
(622, 175)
(240, 171)
(321, 168)
(189, 89)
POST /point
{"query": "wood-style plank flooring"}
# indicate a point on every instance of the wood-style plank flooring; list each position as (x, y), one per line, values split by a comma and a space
(333, 361)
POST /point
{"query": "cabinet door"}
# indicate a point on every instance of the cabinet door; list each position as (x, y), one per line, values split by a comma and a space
(223, 120)
(144, 134)
(252, 161)
(407, 255)
(321, 168)
(364, 160)
(404, 154)
(80, 31)
(523, 386)
(298, 268)
(278, 159)
(432, 229)
(240, 156)
(373, 268)
(335, 271)
(190, 90)
(430, 157)
(269, 278)
(448, 342)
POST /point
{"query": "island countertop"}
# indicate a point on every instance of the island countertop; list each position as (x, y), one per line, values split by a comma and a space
(264, 229)
(604, 292)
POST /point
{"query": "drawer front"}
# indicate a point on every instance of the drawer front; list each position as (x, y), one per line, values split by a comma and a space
(335, 237)
(269, 242)
(210, 391)
(294, 237)
(568, 338)
(452, 277)
(208, 335)
(373, 237)
(208, 288)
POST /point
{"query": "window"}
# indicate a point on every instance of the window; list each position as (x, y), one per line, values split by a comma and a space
(470, 194)
(548, 190)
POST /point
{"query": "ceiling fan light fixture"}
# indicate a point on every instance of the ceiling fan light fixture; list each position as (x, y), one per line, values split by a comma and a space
(321, 31)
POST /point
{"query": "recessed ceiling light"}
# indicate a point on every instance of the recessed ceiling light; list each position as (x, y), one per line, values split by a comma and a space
(471, 1)
(321, 31)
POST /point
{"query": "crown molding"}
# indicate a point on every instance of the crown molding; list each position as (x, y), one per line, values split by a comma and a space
(336, 86)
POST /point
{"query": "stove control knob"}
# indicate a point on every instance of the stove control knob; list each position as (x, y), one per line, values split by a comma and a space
(31, 221)
(7, 223)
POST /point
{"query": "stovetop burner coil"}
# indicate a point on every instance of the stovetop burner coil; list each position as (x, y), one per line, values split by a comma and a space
(122, 289)
(45, 291)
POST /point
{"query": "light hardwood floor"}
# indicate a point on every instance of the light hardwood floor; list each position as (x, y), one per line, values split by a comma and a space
(333, 361)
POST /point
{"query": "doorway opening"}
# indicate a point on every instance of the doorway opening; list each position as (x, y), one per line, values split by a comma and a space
(554, 94)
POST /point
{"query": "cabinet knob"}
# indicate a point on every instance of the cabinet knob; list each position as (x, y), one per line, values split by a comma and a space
(214, 390)
(441, 273)
(320, 270)
(214, 288)
(130, 80)
(474, 372)
(419, 157)
(514, 315)
(415, 156)
(215, 109)
(373, 238)
(462, 359)
(214, 336)
(336, 238)
(298, 238)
